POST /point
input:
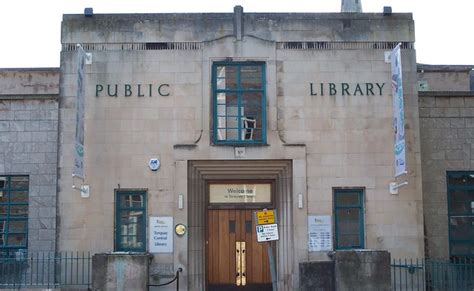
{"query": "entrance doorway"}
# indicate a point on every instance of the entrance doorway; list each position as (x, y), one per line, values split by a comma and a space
(203, 196)
(235, 260)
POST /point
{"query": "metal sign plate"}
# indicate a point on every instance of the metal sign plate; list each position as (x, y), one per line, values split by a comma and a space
(266, 217)
(267, 232)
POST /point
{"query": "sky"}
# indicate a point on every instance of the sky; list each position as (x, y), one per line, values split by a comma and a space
(30, 29)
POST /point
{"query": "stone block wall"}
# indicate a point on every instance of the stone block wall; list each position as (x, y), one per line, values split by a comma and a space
(120, 272)
(362, 270)
(28, 145)
(447, 138)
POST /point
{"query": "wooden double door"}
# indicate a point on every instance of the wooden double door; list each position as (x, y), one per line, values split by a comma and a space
(235, 260)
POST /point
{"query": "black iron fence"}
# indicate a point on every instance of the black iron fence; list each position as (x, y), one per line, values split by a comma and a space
(456, 274)
(46, 270)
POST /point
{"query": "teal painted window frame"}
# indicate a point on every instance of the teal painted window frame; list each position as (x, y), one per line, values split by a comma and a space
(451, 189)
(239, 92)
(118, 225)
(6, 221)
(359, 206)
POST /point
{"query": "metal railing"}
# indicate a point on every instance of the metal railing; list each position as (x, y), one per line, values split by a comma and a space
(456, 274)
(46, 270)
(175, 278)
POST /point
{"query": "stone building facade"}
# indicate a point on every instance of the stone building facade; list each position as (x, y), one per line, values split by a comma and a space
(316, 109)
(196, 121)
(28, 158)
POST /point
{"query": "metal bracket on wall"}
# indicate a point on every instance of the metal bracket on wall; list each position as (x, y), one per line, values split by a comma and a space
(85, 190)
(393, 187)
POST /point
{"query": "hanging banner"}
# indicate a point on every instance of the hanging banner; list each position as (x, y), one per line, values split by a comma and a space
(79, 139)
(398, 112)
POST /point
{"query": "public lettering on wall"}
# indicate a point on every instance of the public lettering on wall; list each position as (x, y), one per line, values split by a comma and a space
(346, 89)
(128, 90)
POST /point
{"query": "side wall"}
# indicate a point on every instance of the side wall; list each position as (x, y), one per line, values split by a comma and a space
(447, 134)
(28, 145)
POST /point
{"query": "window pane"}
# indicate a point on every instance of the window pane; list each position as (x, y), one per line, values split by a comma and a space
(131, 241)
(19, 210)
(462, 228)
(3, 182)
(19, 197)
(3, 196)
(226, 77)
(232, 134)
(460, 179)
(17, 240)
(131, 201)
(233, 81)
(348, 241)
(462, 248)
(221, 134)
(251, 77)
(251, 103)
(221, 98)
(248, 128)
(461, 213)
(461, 202)
(131, 228)
(347, 198)
(349, 218)
(3, 210)
(348, 227)
(13, 212)
(231, 122)
(19, 182)
(17, 226)
(233, 111)
(348, 214)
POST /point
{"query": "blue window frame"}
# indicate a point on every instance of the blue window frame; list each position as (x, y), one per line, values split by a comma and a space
(13, 214)
(239, 100)
(461, 213)
(130, 220)
(349, 218)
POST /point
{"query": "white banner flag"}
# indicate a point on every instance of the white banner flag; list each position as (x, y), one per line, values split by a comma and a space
(79, 140)
(398, 112)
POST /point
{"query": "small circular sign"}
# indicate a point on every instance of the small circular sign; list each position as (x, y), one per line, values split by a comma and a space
(154, 164)
(180, 229)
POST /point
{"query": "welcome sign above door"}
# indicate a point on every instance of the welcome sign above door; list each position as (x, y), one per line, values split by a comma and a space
(240, 193)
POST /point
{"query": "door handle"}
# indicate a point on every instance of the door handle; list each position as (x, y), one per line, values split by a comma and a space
(238, 259)
(244, 263)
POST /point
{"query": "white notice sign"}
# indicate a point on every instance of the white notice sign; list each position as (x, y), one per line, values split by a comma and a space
(161, 234)
(319, 233)
(267, 232)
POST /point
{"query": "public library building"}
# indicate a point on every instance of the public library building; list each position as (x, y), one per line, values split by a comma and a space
(193, 122)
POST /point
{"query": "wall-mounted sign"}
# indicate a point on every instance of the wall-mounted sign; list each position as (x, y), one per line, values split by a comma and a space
(154, 164)
(319, 233)
(128, 90)
(267, 232)
(266, 216)
(346, 89)
(161, 234)
(240, 193)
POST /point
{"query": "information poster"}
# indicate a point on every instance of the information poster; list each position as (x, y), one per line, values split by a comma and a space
(161, 234)
(319, 233)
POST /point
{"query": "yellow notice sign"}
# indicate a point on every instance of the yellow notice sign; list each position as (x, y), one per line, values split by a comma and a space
(266, 216)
